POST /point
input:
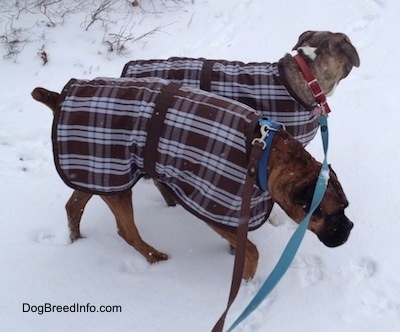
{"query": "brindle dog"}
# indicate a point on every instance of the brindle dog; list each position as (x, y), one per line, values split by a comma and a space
(292, 175)
(330, 56)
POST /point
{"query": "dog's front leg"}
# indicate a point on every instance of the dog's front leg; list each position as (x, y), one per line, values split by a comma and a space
(251, 263)
(75, 207)
(121, 206)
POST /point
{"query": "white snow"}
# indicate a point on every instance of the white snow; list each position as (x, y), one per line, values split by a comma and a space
(355, 287)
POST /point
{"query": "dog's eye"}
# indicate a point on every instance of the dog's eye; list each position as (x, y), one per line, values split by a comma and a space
(318, 213)
(337, 215)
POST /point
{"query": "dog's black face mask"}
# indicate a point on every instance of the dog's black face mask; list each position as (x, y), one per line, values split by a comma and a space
(337, 231)
(328, 221)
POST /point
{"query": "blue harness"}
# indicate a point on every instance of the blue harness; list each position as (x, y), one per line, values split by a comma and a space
(268, 129)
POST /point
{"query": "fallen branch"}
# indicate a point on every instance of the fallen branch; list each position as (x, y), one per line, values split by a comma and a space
(117, 41)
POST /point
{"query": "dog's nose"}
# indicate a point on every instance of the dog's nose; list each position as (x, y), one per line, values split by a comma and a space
(337, 232)
(350, 226)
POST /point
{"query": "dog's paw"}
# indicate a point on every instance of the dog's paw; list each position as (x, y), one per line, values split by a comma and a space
(76, 238)
(155, 256)
(274, 220)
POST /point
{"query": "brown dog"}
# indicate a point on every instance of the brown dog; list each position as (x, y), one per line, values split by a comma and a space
(292, 172)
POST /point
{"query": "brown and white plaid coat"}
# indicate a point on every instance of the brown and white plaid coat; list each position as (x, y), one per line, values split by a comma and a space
(257, 84)
(108, 133)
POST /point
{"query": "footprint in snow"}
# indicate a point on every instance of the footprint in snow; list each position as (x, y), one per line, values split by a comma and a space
(377, 301)
(47, 236)
(373, 298)
(364, 268)
(134, 266)
(44, 237)
(367, 267)
(380, 3)
(310, 270)
(364, 22)
(247, 291)
(372, 11)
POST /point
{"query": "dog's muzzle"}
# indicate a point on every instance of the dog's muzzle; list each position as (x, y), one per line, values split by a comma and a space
(337, 231)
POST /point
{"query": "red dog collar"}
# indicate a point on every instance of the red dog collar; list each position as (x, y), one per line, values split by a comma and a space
(313, 84)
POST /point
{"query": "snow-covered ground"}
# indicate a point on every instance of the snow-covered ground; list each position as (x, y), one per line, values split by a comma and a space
(355, 287)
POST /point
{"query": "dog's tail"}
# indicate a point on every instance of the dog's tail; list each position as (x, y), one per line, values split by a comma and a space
(49, 98)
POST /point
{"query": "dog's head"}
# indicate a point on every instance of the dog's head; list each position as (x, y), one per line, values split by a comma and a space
(292, 176)
(328, 221)
(331, 56)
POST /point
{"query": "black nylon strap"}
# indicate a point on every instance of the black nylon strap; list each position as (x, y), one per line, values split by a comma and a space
(206, 75)
(155, 126)
(241, 233)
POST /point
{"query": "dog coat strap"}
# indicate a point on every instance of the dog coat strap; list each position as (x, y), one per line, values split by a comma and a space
(242, 230)
(162, 104)
(206, 75)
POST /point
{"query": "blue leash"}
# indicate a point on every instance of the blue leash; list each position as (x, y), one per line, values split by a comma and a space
(295, 241)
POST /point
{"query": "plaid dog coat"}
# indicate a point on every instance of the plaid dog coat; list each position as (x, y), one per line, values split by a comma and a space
(108, 133)
(258, 85)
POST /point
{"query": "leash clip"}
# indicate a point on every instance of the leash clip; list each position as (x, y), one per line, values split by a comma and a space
(264, 129)
(322, 108)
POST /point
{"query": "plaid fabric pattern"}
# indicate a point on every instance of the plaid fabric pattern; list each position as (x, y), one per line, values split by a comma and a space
(257, 85)
(100, 131)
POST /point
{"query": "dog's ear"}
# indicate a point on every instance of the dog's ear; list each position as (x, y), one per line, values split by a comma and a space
(305, 36)
(349, 50)
(303, 195)
(337, 188)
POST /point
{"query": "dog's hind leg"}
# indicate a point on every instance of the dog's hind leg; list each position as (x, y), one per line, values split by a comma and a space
(121, 206)
(251, 262)
(75, 207)
(165, 194)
